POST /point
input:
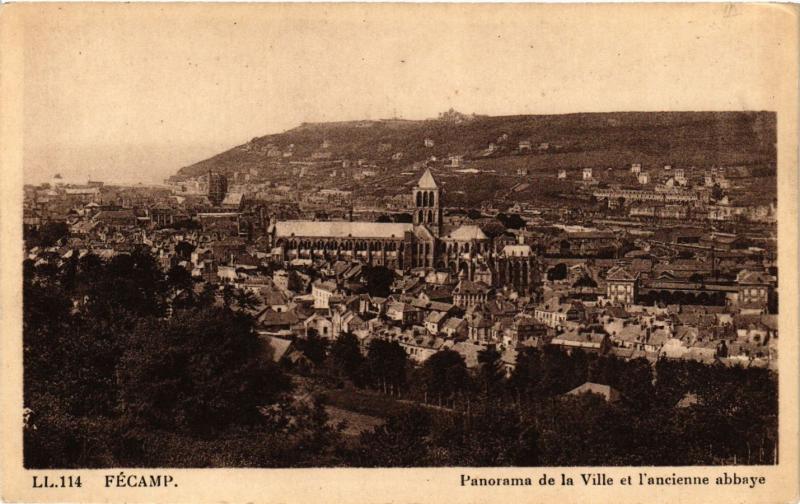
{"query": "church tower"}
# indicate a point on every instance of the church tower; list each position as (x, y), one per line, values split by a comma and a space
(427, 203)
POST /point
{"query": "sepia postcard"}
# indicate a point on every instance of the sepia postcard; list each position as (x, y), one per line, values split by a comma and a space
(399, 253)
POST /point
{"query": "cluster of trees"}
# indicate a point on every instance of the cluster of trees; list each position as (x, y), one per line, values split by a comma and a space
(127, 366)
(385, 367)
(47, 235)
(673, 413)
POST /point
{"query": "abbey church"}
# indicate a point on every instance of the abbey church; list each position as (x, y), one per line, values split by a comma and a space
(425, 243)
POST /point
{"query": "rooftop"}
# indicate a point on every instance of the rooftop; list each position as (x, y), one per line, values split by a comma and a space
(341, 229)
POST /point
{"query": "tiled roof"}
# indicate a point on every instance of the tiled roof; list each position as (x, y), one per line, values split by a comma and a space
(610, 394)
(469, 287)
(618, 273)
(341, 229)
(752, 278)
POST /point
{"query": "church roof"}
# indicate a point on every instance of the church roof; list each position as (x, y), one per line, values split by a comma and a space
(427, 181)
(467, 232)
(341, 229)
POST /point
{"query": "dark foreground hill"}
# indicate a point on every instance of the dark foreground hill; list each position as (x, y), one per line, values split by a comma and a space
(682, 139)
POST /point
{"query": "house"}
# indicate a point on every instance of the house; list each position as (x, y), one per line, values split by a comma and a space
(116, 218)
(346, 321)
(479, 326)
(585, 339)
(232, 200)
(523, 329)
(468, 293)
(403, 313)
(587, 174)
(455, 161)
(454, 328)
(435, 321)
(321, 324)
(553, 313)
(322, 292)
(275, 346)
(753, 289)
(608, 393)
(621, 286)
(276, 322)
(469, 351)
(705, 352)
(420, 348)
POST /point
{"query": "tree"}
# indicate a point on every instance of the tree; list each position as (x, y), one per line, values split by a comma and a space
(69, 390)
(131, 283)
(386, 365)
(346, 356)
(198, 372)
(474, 214)
(313, 347)
(492, 227)
(400, 442)
(557, 272)
(228, 296)
(444, 375)
(716, 192)
(527, 372)
(208, 295)
(555, 371)
(111, 382)
(511, 221)
(245, 299)
(498, 435)
(52, 232)
(379, 280)
(490, 369)
(184, 249)
(179, 278)
(585, 281)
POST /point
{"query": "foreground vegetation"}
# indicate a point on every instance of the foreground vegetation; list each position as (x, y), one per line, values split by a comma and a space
(126, 366)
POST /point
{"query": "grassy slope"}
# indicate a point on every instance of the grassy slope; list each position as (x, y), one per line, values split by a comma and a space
(603, 139)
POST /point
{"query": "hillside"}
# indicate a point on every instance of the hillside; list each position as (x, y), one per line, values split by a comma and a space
(598, 140)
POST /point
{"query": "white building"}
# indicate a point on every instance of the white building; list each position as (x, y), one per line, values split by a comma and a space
(322, 293)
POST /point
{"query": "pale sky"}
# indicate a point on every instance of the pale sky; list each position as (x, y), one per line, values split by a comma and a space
(133, 92)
